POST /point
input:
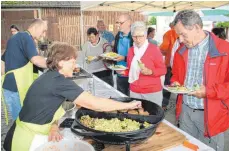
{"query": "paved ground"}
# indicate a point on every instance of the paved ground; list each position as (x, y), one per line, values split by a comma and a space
(170, 116)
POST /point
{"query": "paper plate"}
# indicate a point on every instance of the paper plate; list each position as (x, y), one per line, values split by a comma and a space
(117, 68)
(177, 91)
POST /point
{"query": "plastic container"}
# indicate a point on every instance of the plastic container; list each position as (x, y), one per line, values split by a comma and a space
(66, 145)
(69, 108)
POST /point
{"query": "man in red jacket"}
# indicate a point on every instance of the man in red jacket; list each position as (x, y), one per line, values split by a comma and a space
(201, 60)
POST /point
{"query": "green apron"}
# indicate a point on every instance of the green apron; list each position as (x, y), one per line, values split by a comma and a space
(24, 78)
(25, 132)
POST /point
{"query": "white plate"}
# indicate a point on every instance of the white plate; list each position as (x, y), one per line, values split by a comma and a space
(117, 69)
(108, 57)
(176, 91)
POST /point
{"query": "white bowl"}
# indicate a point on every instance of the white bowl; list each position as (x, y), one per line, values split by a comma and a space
(66, 145)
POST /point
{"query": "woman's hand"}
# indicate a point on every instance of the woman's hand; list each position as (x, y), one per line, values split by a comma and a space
(135, 105)
(121, 72)
(175, 83)
(146, 71)
(54, 134)
(119, 58)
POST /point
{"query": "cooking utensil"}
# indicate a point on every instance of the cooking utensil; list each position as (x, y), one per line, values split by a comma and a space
(156, 115)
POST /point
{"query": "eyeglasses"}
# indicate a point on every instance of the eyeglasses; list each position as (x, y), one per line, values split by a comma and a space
(138, 37)
(121, 22)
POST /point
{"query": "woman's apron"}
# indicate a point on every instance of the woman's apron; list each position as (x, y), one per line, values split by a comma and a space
(24, 77)
(25, 132)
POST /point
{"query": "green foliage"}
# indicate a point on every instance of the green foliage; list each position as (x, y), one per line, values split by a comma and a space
(152, 21)
(223, 24)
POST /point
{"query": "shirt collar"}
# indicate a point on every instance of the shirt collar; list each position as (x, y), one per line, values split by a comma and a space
(122, 36)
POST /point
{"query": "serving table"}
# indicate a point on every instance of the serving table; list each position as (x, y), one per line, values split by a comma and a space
(167, 137)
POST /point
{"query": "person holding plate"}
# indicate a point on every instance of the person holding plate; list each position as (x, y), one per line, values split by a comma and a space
(201, 59)
(92, 49)
(145, 66)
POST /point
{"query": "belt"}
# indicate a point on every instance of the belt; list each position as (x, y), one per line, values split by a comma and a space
(192, 108)
(198, 110)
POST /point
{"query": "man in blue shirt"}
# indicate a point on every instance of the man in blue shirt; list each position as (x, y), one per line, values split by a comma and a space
(123, 41)
(103, 32)
(20, 50)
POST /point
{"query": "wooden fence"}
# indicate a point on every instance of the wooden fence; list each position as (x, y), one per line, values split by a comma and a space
(63, 23)
(20, 18)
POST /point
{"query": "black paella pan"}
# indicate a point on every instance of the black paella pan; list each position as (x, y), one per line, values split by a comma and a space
(156, 115)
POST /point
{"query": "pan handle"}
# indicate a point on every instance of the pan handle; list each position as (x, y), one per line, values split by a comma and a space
(79, 131)
(133, 138)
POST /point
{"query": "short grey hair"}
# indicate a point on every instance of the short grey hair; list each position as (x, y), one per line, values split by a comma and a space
(138, 26)
(188, 18)
(100, 21)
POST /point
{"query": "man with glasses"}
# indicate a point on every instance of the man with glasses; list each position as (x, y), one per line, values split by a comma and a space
(123, 41)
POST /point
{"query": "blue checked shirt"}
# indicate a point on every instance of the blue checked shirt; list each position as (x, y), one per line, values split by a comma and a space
(108, 36)
(196, 59)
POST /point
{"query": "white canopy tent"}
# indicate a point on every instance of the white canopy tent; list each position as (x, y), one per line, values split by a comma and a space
(152, 6)
(146, 6)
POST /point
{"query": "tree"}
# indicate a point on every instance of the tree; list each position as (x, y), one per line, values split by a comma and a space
(152, 21)
(224, 25)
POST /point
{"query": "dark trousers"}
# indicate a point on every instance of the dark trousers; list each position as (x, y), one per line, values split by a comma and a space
(166, 94)
(123, 85)
(106, 76)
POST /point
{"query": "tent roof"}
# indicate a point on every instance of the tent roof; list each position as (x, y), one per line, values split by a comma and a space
(40, 4)
(152, 6)
(210, 12)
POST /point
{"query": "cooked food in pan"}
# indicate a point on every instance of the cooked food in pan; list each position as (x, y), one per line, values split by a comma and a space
(112, 125)
(137, 112)
(142, 112)
(132, 112)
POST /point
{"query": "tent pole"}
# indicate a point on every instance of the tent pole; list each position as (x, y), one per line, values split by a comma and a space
(81, 28)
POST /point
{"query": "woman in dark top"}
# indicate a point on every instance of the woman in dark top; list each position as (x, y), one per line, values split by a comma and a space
(42, 104)
(14, 29)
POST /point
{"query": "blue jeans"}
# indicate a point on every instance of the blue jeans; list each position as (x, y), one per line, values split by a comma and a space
(13, 102)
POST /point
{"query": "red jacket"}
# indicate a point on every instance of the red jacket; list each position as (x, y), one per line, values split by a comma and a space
(153, 60)
(216, 81)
